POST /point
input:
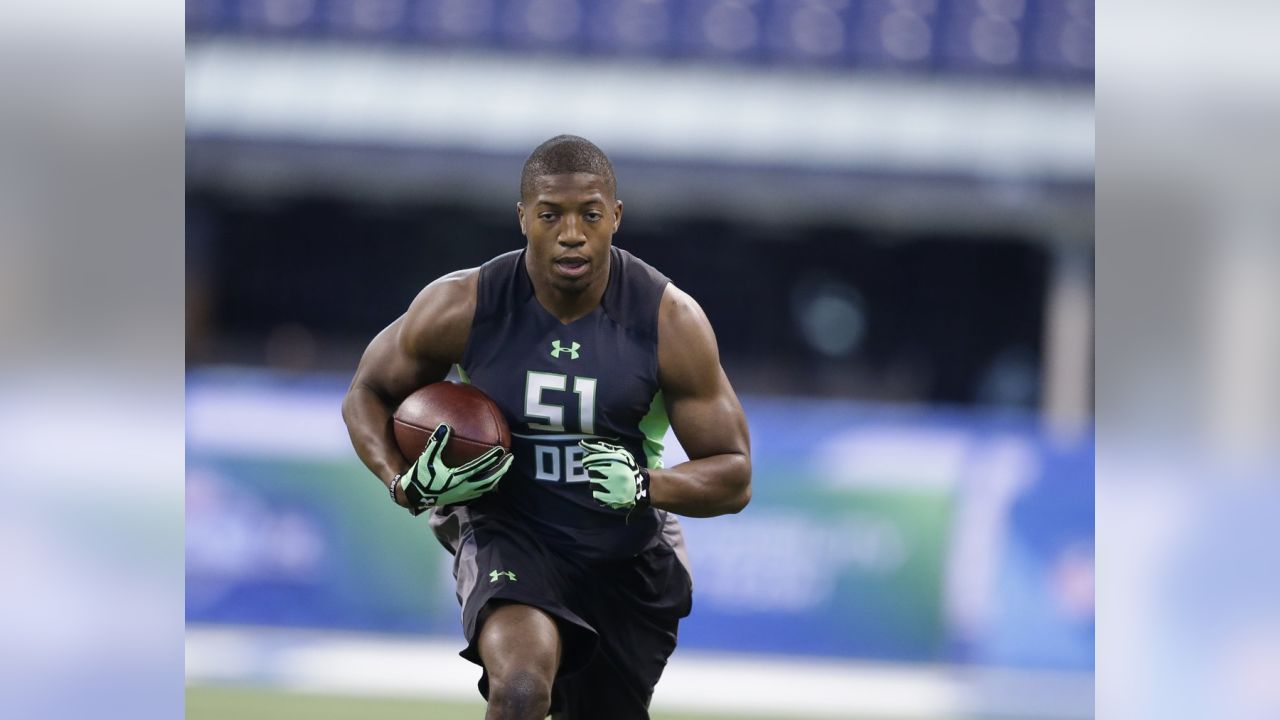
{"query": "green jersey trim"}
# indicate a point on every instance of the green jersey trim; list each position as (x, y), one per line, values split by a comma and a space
(654, 425)
(462, 374)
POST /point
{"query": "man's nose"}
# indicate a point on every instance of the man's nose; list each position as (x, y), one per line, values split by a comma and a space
(571, 231)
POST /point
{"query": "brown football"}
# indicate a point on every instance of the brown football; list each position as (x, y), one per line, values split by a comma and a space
(476, 420)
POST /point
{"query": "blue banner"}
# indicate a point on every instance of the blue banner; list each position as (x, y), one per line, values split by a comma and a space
(874, 532)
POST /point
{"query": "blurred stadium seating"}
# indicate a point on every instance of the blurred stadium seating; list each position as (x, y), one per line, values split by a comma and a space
(1051, 39)
(884, 206)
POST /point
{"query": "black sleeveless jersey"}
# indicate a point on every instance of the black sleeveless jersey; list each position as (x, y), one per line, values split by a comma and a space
(596, 377)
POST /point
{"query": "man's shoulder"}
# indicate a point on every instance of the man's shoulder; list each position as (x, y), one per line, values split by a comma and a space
(679, 312)
(440, 316)
(450, 289)
(444, 311)
(686, 343)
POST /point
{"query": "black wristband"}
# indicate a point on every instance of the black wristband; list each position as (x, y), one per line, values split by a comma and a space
(643, 500)
(395, 483)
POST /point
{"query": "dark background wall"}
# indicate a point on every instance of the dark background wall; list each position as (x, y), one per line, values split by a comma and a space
(813, 309)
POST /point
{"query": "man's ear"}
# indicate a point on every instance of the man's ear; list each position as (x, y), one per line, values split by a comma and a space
(520, 216)
(617, 214)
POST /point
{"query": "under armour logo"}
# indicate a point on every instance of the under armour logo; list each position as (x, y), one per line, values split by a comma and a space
(495, 574)
(556, 349)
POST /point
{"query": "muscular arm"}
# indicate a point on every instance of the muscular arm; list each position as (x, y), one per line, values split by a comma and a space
(417, 349)
(705, 414)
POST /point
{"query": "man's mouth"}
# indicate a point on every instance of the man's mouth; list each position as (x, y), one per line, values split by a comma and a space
(571, 266)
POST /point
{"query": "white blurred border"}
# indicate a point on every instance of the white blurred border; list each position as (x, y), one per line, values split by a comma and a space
(91, 372)
(1188, 395)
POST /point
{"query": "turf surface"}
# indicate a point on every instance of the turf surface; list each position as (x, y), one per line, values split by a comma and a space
(249, 703)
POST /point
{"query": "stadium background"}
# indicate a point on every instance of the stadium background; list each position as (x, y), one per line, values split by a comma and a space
(884, 206)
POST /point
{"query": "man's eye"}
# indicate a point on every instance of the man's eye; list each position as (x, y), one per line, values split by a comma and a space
(594, 216)
(546, 216)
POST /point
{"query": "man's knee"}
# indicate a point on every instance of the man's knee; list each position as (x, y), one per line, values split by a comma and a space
(522, 693)
(520, 647)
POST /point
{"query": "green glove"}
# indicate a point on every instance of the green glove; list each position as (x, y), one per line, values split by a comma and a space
(429, 482)
(616, 480)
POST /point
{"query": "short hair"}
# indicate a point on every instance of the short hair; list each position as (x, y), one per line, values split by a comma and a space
(563, 155)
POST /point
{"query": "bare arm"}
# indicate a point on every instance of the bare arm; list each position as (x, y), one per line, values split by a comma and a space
(705, 414)
(417, 349)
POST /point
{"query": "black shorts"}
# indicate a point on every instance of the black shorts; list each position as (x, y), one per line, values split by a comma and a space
(617, 620)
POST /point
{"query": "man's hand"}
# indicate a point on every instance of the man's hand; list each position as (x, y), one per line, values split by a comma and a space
(429, 482)
(616, 480)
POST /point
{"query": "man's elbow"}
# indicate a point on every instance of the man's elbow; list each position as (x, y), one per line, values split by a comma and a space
(740, 502)
(351, 402)
(348, 401)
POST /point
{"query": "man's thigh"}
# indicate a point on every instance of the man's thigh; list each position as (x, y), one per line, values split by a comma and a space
(519, 638)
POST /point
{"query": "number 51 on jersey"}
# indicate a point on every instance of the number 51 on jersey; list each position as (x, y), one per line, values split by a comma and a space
(559, 463)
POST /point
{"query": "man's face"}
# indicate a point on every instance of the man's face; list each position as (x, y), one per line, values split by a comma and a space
(569, 221)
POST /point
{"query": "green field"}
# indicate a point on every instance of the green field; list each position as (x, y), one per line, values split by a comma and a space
(247, 703)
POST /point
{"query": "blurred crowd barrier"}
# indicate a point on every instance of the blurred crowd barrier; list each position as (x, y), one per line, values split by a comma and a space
(875, 532)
